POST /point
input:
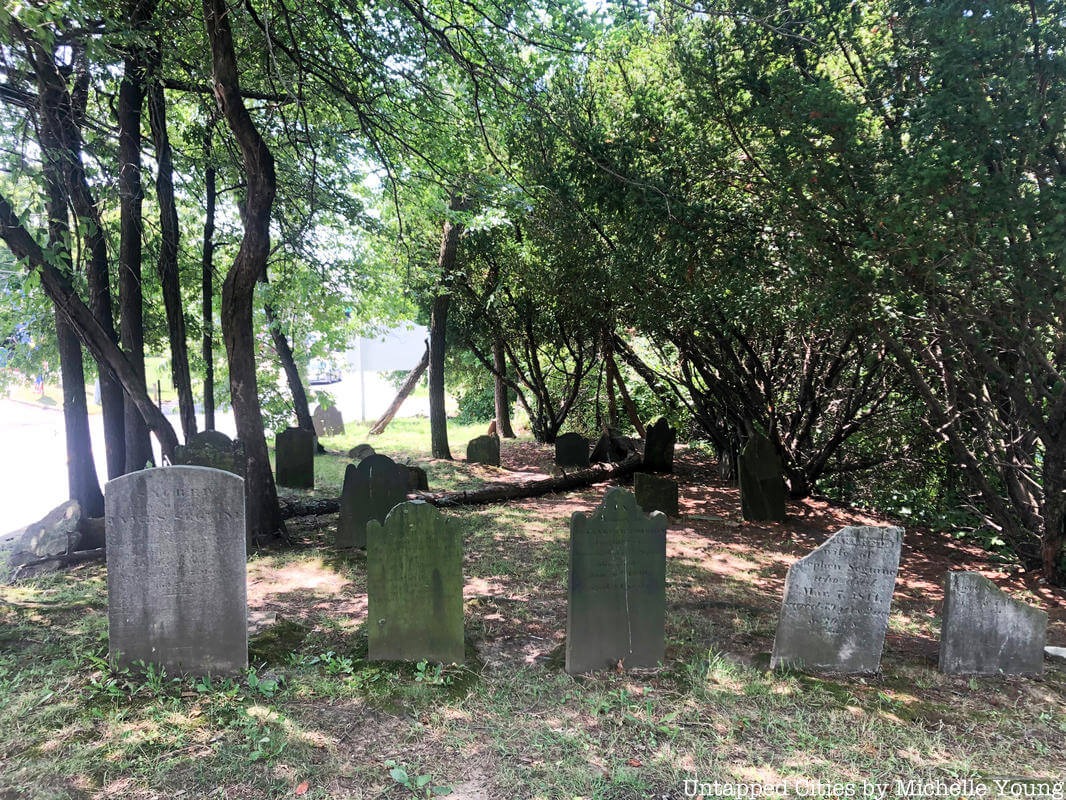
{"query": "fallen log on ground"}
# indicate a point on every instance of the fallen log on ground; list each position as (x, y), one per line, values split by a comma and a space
(493, 493)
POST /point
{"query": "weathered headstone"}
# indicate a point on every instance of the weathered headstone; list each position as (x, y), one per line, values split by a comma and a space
(215, 450)
(294, 458)
(762, 483)
(837, 600)
(59, 532)
(414, 585)
(572, 450)
(987, 632)
(370, 491)
(484, 450)
(656, 493)
(611, 448)
(617, 589)
(176, 570)
(417, 479)
(659, 444)
(328, 421)
(360, 451)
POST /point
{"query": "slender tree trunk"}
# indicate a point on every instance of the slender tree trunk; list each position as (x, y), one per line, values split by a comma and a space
(288, 364)
(503, 402)
(169, 278)
(627, 401)
(612, 401)
(207, 269)
(238, 290)
(408, 386)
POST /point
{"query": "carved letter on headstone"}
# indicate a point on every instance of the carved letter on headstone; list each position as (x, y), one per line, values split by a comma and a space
(294, 457)
(617, 603)
(414, 584)
(986, 632)
(176, 570)
(837, 600)
(370, 491)
(762, 483)
(571, 450)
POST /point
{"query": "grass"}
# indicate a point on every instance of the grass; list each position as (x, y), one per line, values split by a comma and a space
(509, 723)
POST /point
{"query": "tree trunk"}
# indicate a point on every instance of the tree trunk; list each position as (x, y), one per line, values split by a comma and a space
(408, 386)
(288, 364)
(238, 290)
(612, 401)
(169, 278)
(503, 403)
(627, 401)
(207, 269)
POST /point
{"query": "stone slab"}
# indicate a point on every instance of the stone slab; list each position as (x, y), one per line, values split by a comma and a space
(294, 458)
(215, 450)
(328, 421)
(484, 450)
(762, 482)
(656, 493)
(572, 450)
(370, 491)
(659, 441)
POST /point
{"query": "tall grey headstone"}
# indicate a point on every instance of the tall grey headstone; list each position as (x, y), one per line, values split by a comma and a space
(484, 450)
(986, 632)
(571, 450)
(837, 599)
(294, 458)
(617, 588)
(414, 586)
(659, 444)
(371, 490)
(176, 570)
(215, 450)
(328, 421)
(762, 482)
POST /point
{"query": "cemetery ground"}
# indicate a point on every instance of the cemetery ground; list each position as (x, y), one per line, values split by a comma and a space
(313, 718)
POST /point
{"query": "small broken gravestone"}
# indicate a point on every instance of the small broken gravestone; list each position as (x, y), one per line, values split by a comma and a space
(659, 444)
(56, 534)
(837, 599)
(212, 449)
(611, 448)
(484, 450)
(987, 632)
(370, 491)
(360, 451)
(328, 421)
(176, 570)
(616, 607)
(656, 493)
(294, 458)
(417, 479)
(762, 483)
(414, 586)
(571, 450)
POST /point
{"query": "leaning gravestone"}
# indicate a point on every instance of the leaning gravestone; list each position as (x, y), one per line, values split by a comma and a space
(414, 586)
(762, 484)
(656, 493)
(571, 450)
(837, 599)
(617, 590)
(58, 533)
(611, 448)
(212, 449)
(328, 421)
(360, 451)
(294, 458)
(371, 490)
(659, 446)
(986, 632)
(176, 570)
(484, 450)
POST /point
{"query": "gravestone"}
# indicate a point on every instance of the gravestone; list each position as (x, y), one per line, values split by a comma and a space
(572, 450)
(656, 493)
(484, 450)
(659, 444)
(294, 458)
(414, 586)
(176, 570)
(417, 479)
(215, 450)
(837, 599)
(60, 531)
(762, 483)
(328, 421)
(370, 491)
(987, 632)
(360, 451)
(611, 448)
(617, 590)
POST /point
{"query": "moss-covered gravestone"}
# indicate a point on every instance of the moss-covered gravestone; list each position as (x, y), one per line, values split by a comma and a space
(484, 450)
(328, 421)
(656, 493)
(762, 482)
(837, 600)
(659, 444)
(359, 452)
(294, 458)
(986, 632)
(370, 491)
(617, 589)
(414, 585)
(571, 450)
(212, 449)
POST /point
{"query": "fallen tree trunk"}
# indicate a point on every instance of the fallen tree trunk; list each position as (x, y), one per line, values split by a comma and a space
(493, 493)
(408, 387)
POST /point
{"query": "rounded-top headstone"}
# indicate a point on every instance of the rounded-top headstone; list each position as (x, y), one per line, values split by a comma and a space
(212, 449)
(571, 450)
(370, 491)
(659, 444)
(360, 451)
(484, 450)
(762, 482)
(328, 421)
